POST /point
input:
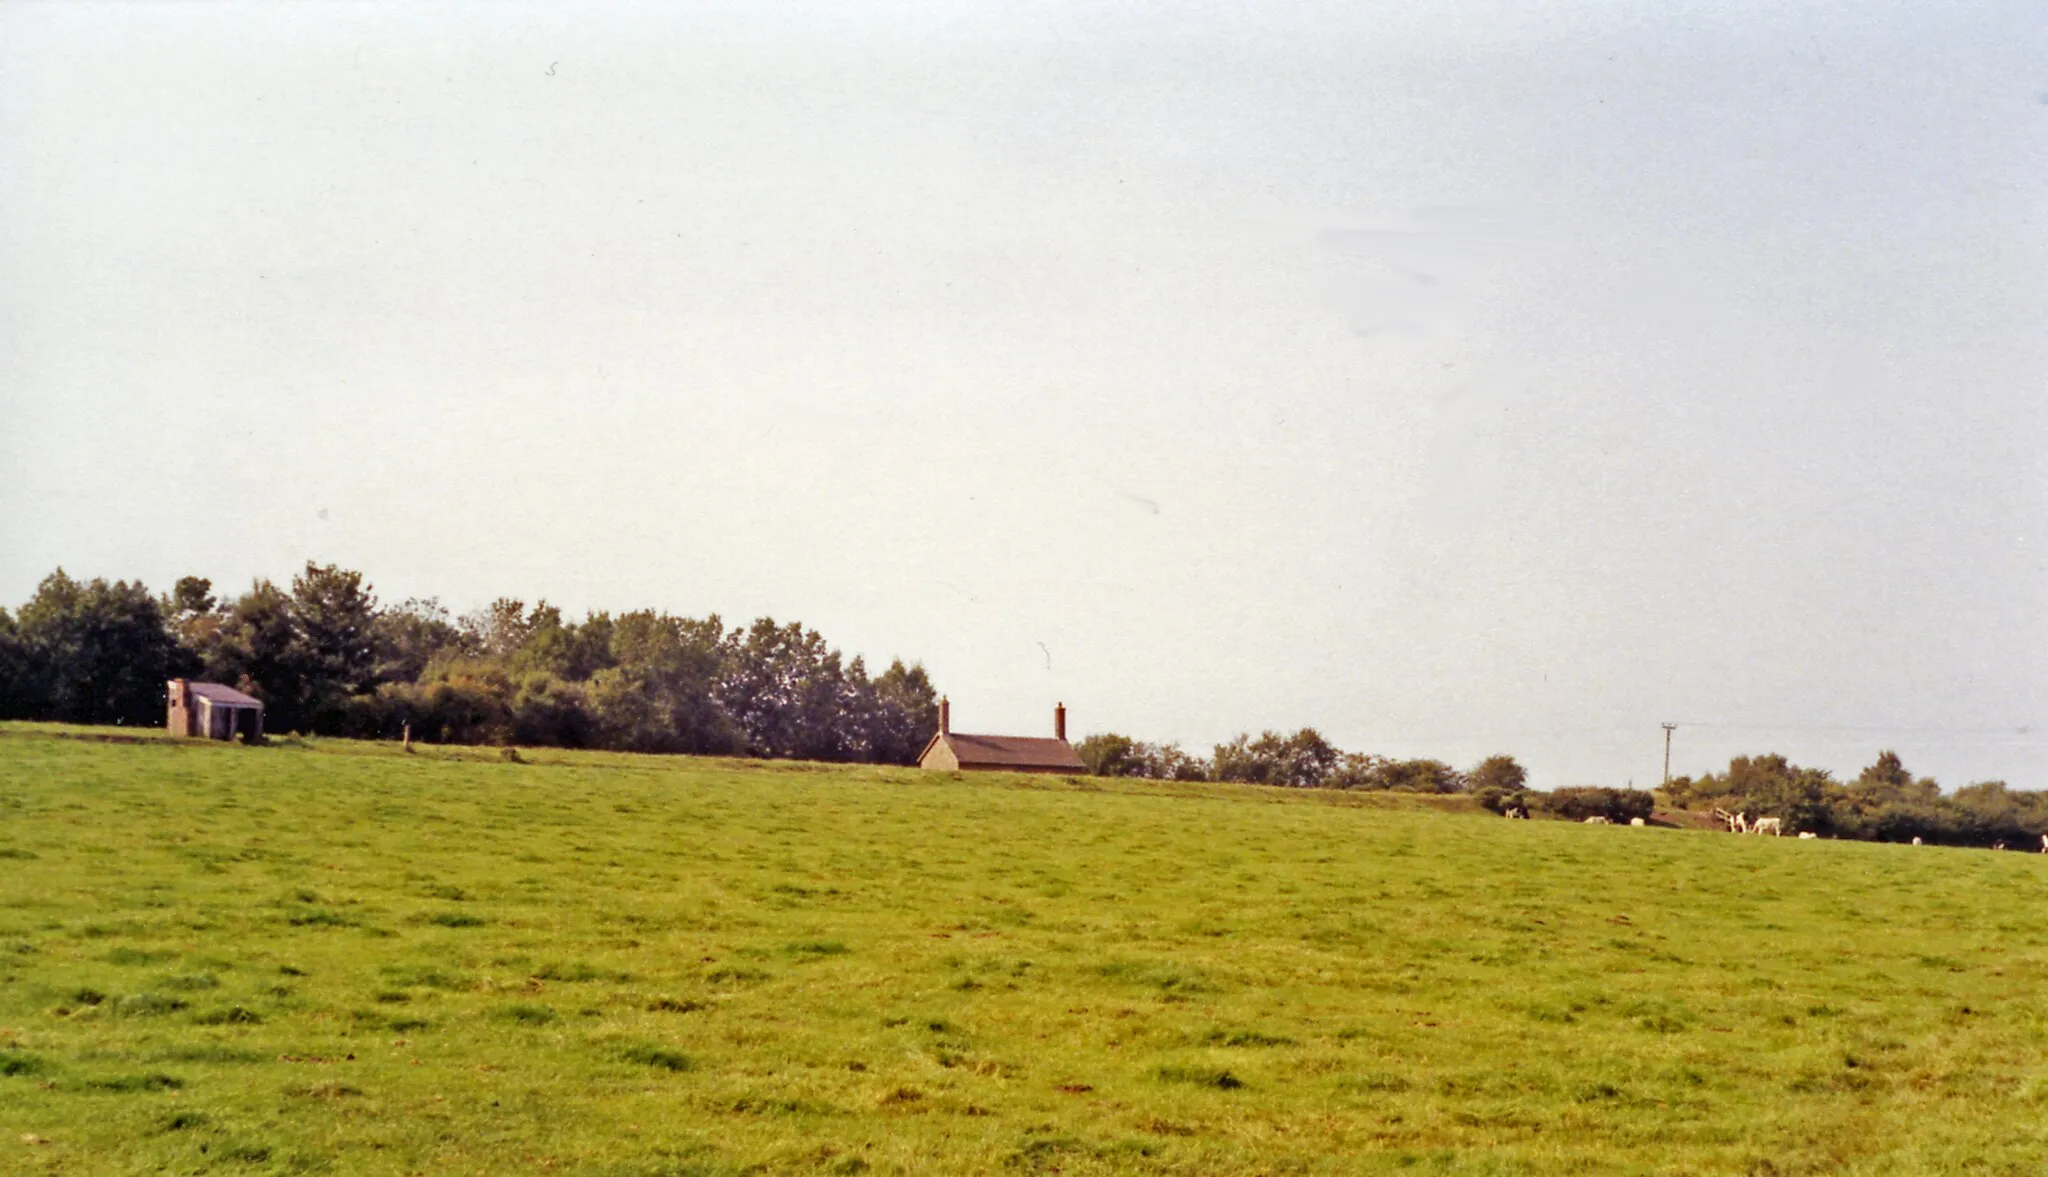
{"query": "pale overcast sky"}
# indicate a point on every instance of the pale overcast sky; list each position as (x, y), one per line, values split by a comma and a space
(1454, 377)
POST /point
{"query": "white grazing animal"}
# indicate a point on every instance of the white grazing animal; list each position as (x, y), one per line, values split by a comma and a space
(1775, 827)
(1916, 841)
(1596, 821)
(1805, 834)
(1637, 821)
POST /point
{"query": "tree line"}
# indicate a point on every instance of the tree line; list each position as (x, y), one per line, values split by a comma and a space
(326, 657)
(1884, 802)
(1304, 760)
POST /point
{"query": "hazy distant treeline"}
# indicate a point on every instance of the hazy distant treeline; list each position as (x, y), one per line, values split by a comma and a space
(1304, 760)
(1884, 803)
(326, 657)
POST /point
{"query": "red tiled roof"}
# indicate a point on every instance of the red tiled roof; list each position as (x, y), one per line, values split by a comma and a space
(1013, 752)
(222, 694)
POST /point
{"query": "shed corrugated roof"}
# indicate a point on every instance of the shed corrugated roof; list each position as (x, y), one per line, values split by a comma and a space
(217, 693)
(1013, 752)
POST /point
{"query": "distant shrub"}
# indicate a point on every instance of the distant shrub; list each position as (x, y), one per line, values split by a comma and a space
(1365, 771)
(1499, 800)
(1578, 804)
(1110, 754)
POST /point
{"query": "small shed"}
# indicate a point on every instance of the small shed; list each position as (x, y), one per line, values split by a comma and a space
(213, 711)
(952, 751)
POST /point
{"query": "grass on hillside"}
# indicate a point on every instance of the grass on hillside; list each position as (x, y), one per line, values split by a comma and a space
(332, 957)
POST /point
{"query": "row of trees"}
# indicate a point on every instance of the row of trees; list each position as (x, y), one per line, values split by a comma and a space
(1884, 803)
(1304, 760)
(326, 657)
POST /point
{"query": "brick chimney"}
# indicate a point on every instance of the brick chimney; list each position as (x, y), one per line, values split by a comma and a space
(1059, 721)
(945, 716)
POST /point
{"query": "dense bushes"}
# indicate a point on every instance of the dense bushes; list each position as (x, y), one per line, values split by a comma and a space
(1304, 760)
(1884, 803)
(1578, 804)
(1570, 804)
(1110, 754)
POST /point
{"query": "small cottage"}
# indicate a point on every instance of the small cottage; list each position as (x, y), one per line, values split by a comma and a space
(215, 712)
(952, 751)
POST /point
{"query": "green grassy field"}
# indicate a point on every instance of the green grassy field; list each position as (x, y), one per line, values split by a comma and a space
(332, 957)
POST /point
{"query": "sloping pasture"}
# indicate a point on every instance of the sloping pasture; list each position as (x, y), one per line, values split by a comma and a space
(333, 957)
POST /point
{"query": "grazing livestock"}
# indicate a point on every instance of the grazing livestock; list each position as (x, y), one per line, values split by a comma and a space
(1916, 841)
(1805, 834)
(1738, 823)
(1637, 821)
(1596, 821)
(1773, 826)
(1517, 814)
(2044, 843)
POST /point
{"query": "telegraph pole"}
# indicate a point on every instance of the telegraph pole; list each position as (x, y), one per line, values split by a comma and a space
(1667, 753)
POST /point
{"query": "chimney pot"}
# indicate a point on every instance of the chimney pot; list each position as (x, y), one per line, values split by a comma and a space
(1059, 721)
